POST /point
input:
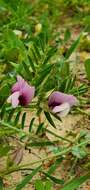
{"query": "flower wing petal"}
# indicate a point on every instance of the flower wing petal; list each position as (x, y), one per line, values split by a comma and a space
(9, 99)
(62, 110)
(14, 99)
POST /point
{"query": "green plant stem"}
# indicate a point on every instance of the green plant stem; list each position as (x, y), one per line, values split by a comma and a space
(30, 135)
(83, 112)
(11, 127)
(17, 168)
(58, 136)
(74, 164)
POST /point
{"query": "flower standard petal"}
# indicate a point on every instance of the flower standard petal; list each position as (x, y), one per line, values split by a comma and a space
(54, 99)
(27, 93)
(57, 98)
(19, 84)
(15, 87)
(21, 81)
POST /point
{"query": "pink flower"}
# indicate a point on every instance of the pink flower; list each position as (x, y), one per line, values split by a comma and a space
(61, 103)
(22, 93)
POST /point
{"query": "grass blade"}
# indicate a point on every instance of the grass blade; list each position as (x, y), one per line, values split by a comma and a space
(27, 178)
(29, 74)
(73, 47)
(31, 64)
(54, 166)
(87, 68)
(39, 185)
(76, 182)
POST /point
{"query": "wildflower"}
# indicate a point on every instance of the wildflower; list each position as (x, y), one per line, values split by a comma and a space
(22, 93)
(61, 103)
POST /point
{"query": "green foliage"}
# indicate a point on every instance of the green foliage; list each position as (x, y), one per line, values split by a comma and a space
(40, 128)
(23, 120)
(76, 182)
(42, 58)
(31, 124)
(42, 143)
(79, 152)
(39, 185)
(55, 166)
(27, 179)
(54, 179)
(4, 149)
(48, 116)
(73, 47)
(87, 68)
(1, 184)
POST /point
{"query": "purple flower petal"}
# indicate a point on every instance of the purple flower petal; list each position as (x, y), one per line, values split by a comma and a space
(62, 110)
(27, 94)
(19, 84)
(57, 98)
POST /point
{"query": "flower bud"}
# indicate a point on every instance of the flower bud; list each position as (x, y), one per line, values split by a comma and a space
(18, 33)
(38, 28)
